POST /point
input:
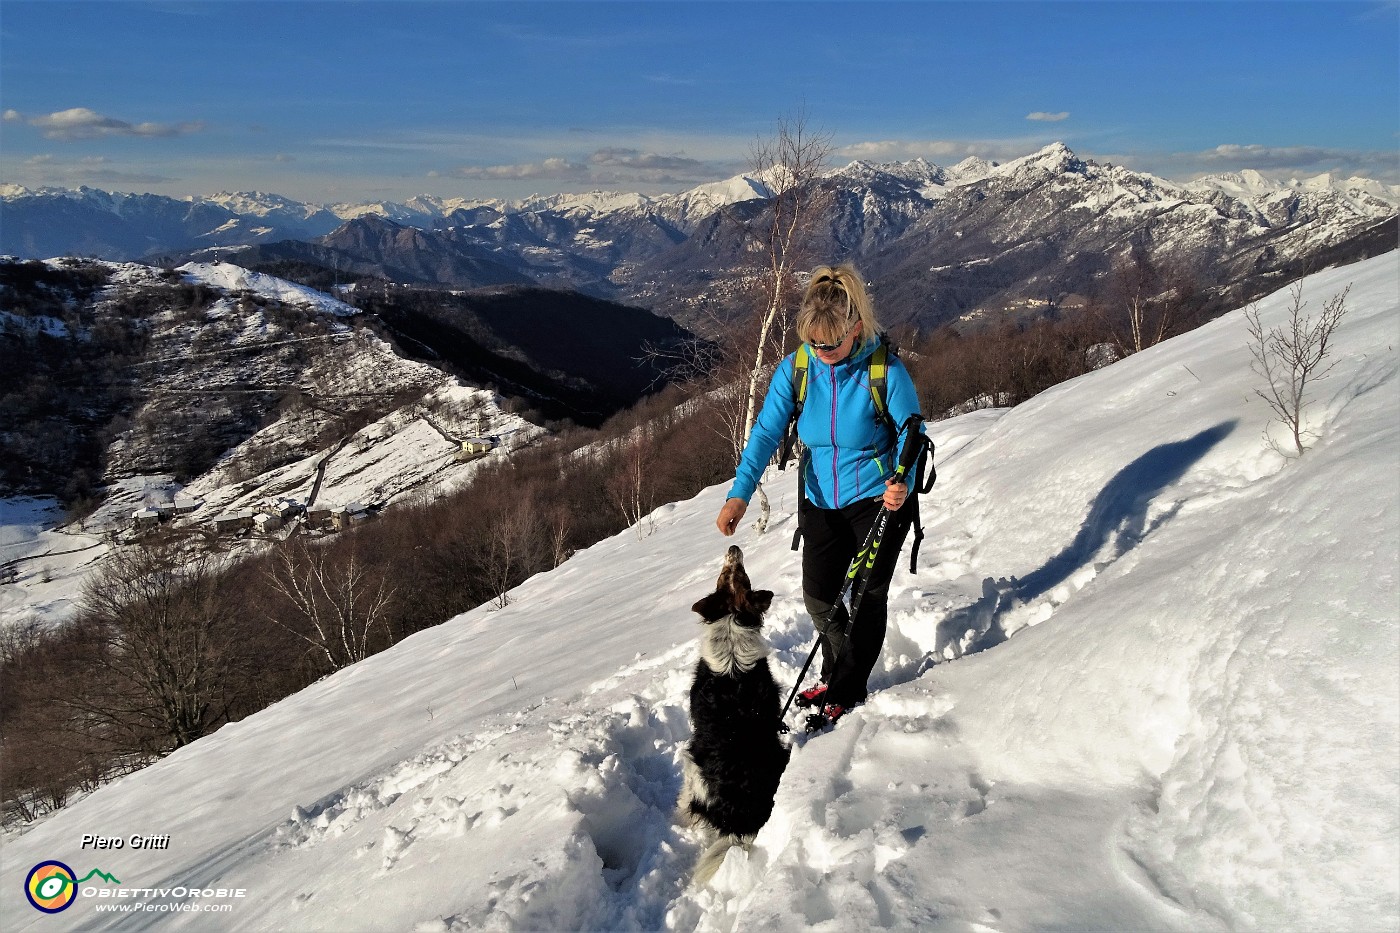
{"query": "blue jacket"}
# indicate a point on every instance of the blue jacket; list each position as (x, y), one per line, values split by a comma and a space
(850, 453)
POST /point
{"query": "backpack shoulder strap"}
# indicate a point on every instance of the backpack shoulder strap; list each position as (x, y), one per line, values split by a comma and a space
(879, 387)
(800, 359)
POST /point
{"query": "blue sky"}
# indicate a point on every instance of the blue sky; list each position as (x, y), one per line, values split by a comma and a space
(345, 101)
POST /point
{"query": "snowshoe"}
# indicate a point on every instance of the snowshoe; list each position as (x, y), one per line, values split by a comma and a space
(831, 712)
(812, 696)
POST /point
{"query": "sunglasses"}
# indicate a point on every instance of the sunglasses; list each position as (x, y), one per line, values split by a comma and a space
(833, 347)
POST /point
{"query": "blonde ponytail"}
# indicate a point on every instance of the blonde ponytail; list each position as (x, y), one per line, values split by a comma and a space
(834, 300)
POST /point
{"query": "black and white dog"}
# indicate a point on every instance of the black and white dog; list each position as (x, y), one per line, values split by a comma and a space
(735, 758)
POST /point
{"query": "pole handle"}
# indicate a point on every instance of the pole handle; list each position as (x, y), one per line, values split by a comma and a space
(914, 441)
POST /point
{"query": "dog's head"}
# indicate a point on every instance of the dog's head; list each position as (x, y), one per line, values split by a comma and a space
(734, 596)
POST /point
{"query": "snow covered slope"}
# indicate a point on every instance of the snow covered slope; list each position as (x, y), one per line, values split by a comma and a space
(235, 278)
(1186, 716)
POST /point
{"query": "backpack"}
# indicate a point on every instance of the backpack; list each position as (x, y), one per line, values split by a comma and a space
(877, 380)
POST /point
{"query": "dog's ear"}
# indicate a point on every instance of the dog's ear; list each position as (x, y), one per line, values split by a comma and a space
(712, 607)
(760, 600)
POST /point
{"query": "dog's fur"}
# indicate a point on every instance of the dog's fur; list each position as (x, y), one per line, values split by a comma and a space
(735, 758)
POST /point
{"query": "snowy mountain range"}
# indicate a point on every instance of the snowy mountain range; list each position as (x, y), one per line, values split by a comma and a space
(1144, 678)
(938, 243)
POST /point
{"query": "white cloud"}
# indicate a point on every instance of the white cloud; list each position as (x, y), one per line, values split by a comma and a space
(83, 123)
(1278, 161)
(1041, 116)
(619, 157)
(11, 115)
(613, 166)
(1270, 156)
(904, 149)
(552, 168)
(672, 79)
(44, 169)
(625, 166)
(940, 150)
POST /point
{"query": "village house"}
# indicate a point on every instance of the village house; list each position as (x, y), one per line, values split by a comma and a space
(319, 516)
(348, 515)
(184, 505)
(474, 447)
(233, 521)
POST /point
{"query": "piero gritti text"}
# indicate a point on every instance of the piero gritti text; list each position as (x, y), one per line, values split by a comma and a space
(134, 841)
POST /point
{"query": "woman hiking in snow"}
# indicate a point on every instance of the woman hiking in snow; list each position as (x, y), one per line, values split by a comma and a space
(845, 473)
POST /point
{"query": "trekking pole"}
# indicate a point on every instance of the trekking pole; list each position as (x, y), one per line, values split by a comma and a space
(856, 563)
(865, 557)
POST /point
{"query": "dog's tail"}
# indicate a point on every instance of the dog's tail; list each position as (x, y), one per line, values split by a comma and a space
(713, 857)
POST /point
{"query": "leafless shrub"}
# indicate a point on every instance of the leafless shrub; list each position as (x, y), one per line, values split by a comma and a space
(1292, 357)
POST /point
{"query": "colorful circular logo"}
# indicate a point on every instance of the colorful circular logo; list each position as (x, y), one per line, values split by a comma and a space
(51, 887)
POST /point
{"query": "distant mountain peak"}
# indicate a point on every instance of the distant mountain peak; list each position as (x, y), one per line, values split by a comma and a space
(915, 171)
(1056, 158)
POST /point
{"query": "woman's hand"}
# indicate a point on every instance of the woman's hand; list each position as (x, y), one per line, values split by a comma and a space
(729, 516)
(895, 494)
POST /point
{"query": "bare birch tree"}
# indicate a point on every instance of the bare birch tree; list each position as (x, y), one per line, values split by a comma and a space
(790, 162)
(513, 547)
(631, 486)
(559, 525)
(1145, 302)
(333, 601)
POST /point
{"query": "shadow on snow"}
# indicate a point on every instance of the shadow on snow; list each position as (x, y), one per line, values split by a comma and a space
(1118, 513)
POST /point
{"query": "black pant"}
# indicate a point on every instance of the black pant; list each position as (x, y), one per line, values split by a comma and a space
(831, 538)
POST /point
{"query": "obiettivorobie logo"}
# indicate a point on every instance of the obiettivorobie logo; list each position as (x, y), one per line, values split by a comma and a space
(52, 886)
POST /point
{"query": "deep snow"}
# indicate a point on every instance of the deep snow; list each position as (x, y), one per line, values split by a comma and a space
(1187, 715)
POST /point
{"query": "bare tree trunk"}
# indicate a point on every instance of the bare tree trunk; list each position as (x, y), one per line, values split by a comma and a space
(560, 524)
(791, 162)
(512, 545)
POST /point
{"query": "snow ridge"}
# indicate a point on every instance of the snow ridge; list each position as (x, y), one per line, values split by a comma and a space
(235, 278)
